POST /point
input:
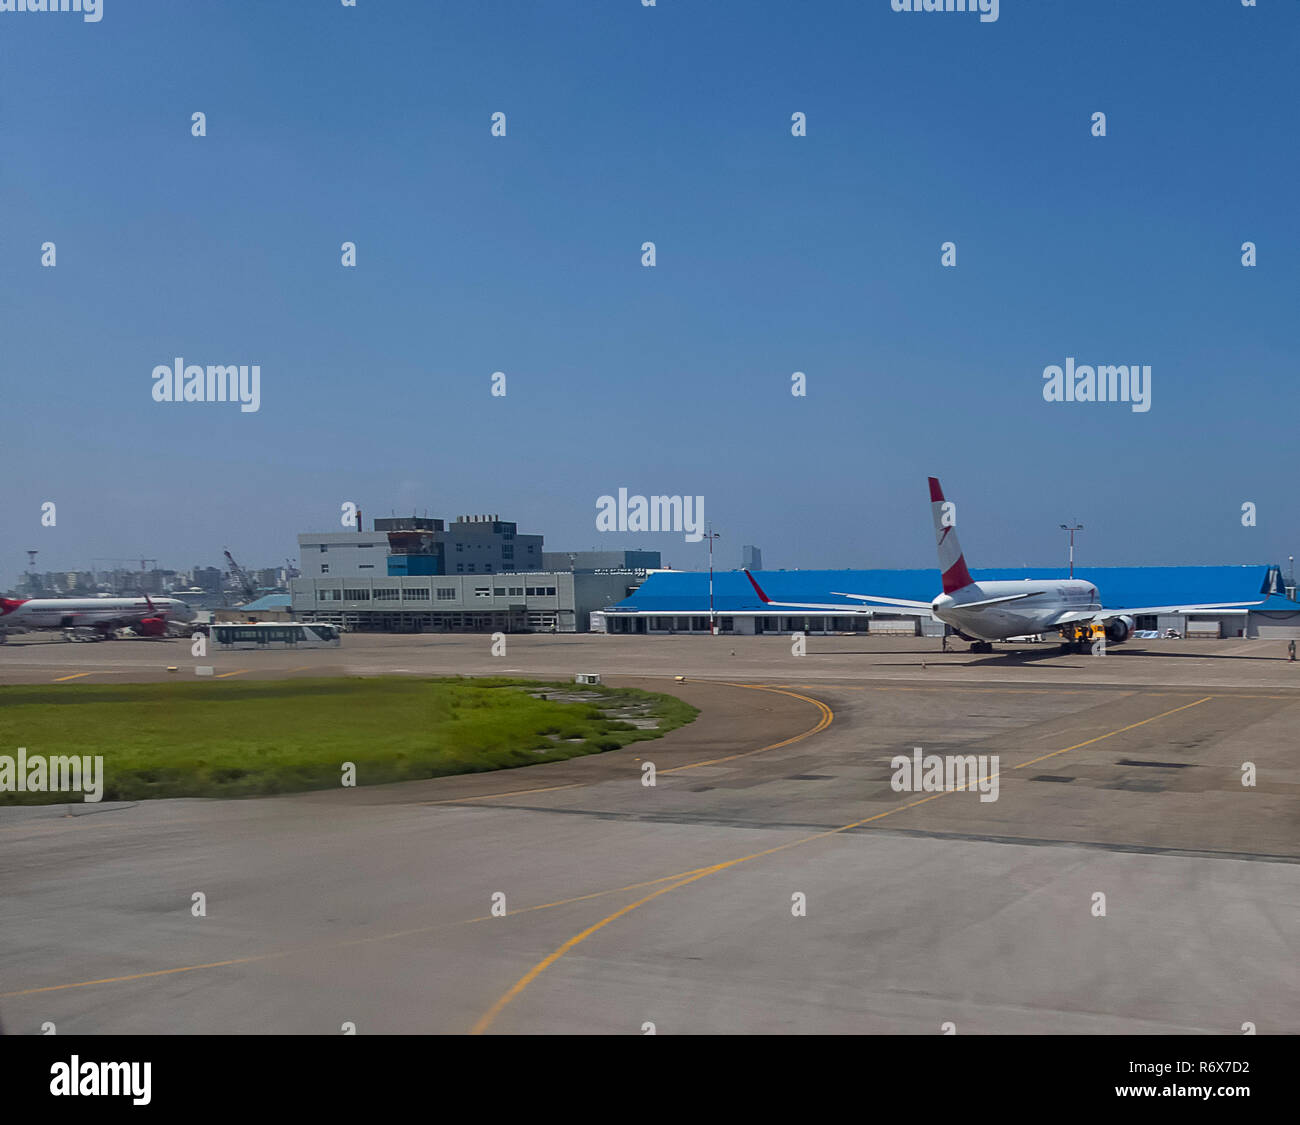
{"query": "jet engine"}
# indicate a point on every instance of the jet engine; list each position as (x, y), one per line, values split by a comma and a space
(151, 627)
(1119, 629)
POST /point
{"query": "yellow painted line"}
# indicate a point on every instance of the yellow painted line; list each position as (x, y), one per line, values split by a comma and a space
(510, 793)
(523, 982)
(352, 941)
(142, 976)
(948, 690)
(676, 880)
(825, 720)
(237, 672)
(1100, 737)
(827, 717)
(684, 877)
(486, 1020)
(74, 676)
(943, 687)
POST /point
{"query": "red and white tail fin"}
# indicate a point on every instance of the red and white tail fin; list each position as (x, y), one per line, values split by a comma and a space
(762, 597)
(951, 560)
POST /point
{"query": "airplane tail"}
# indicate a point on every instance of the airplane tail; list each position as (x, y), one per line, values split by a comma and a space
(951, 560)
(762, 597)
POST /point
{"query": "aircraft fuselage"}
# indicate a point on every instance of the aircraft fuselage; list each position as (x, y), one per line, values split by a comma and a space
(1036, 613)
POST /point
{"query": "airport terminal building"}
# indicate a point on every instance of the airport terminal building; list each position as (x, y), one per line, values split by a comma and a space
(479, 575)
(540, 601)
(678, 601)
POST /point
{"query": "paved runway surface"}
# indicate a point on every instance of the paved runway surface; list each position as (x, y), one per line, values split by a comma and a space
(672, 904)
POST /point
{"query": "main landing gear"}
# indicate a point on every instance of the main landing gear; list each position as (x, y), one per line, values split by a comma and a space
(981, 646)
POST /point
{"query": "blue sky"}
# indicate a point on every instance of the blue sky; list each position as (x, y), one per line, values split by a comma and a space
(775, 254)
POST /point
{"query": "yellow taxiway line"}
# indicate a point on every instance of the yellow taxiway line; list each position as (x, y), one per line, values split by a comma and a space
(486, 1020)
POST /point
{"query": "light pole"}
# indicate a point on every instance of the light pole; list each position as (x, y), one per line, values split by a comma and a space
(1071, 530)
(711, 535)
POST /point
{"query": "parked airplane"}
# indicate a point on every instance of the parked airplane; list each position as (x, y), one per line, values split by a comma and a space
(96, 616)
(983, 612)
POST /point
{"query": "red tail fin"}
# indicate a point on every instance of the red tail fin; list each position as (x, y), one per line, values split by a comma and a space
(952, 562)
(762, 597)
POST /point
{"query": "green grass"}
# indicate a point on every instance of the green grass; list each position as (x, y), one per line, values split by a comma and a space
(234, 739)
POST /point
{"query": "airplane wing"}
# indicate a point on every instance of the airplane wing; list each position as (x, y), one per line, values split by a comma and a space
(1145, 611)
(925, 606)
(993, 601)
(891, 605)
(886, 601)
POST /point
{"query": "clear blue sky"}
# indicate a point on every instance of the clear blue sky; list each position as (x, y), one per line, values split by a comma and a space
(775, 254)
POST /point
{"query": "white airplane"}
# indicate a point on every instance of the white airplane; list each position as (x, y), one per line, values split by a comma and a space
(983, 612)
(147, 616)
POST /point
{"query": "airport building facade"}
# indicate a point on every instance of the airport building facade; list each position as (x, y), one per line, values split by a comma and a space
(474, 575)
(534, 601)
(678, 601)
(415, 545)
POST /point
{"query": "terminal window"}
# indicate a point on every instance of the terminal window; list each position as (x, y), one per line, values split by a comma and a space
(446, 593)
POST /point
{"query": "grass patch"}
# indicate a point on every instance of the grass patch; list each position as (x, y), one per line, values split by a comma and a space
(233, 739)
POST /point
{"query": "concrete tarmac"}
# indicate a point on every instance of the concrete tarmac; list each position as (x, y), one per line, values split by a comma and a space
(771, 880)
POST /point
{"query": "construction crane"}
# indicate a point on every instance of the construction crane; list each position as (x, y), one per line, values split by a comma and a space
(240, 575)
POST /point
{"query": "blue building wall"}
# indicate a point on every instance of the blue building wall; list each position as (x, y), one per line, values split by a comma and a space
(1119, 586)
(412, 566)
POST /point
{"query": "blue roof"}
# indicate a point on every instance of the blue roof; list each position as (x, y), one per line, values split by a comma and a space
(269, 601)
(681, 591)
(1277, 604)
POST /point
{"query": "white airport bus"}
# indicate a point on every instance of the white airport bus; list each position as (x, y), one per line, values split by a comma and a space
(274, 634)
